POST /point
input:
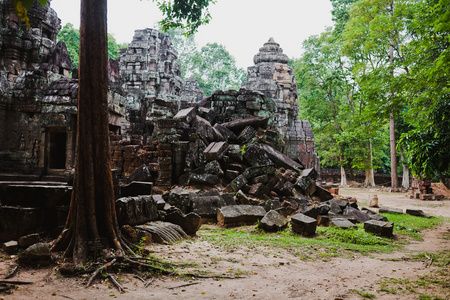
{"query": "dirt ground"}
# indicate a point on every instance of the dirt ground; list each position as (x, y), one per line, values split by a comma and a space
(268, 273)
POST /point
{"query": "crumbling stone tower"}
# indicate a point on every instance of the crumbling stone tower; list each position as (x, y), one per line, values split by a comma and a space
(272, 76)
(151, 74)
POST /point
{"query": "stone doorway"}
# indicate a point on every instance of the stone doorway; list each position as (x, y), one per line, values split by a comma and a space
(56, 158)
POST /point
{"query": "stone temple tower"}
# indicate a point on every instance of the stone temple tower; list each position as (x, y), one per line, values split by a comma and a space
(272, 76)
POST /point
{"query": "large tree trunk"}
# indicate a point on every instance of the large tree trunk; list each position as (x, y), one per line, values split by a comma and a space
(92, 215)
(394, 177)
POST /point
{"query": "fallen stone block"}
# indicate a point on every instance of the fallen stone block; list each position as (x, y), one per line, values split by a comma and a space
(242, 199)
(273, 221)
(214, 168)
(417, 213)
(215, 151)
(190, 222)
(373, 215)
(256, 157)
(342, 223)
(306, 185)
(303, 224)
(379, 227)
(141, 174)
(181, 198)
(10, 247)
(186, 114)
(206, 206)
(37, 254)
(136, 210)
(204, 129)
(390, 210)
(280, 160)
(322, 194)
(246, 135)
(238, 183)
(257, 171)
(224, 132)
(28, 240)
(229, 198)
(272, 204)
(323, 220)
(360, 216)
(256, 189)
(136, 188)
(237, 215)
(311, 173)
(208, 179)
(315, 211)
(289, 207)
(239, 124)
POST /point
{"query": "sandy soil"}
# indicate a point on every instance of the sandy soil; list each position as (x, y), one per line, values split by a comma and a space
(267, 273)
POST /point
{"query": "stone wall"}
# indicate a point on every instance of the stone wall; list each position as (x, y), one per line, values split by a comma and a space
(38, 100)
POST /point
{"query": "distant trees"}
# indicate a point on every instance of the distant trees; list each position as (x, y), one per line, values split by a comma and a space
(212, 66)
(71, 37)
(385, 62)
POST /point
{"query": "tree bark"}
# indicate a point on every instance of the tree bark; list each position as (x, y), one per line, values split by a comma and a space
(369, 178)
(92, 215)
(405, 178)
(343, 176)
(394, 177)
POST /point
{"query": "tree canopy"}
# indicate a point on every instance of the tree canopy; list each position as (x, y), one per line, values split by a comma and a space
(383, 59)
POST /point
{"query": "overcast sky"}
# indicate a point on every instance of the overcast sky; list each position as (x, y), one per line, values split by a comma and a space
(242, 26)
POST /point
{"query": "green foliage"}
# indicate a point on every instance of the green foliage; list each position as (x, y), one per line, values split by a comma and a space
(215, 69)
(428, 140)
(71, 37)
(186, 14)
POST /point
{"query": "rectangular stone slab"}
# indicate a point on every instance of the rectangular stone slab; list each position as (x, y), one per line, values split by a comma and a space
(215, 150)
(342, 223)
(391, 210)
(237, 215)
(379, 227)
(303, 224)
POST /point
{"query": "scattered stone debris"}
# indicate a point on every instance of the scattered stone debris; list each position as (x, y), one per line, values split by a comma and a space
(417, 212)
(421, 189)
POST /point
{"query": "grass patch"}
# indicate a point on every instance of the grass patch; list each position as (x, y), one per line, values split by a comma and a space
(328, 241)
(412, 226)
(364, 294)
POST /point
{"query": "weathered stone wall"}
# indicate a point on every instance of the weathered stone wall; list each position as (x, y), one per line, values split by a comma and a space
(38, 101)
(29, 60)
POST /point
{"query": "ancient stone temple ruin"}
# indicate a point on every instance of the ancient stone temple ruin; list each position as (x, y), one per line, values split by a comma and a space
(38, 99)
(163, 131)
(272, 76)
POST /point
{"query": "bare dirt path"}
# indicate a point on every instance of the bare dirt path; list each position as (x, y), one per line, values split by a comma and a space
(270, 273)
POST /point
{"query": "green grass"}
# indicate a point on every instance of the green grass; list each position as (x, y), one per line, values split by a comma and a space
(328, 241)
(412, 226)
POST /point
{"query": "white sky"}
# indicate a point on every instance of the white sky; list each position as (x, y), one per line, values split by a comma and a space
(242, 26)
